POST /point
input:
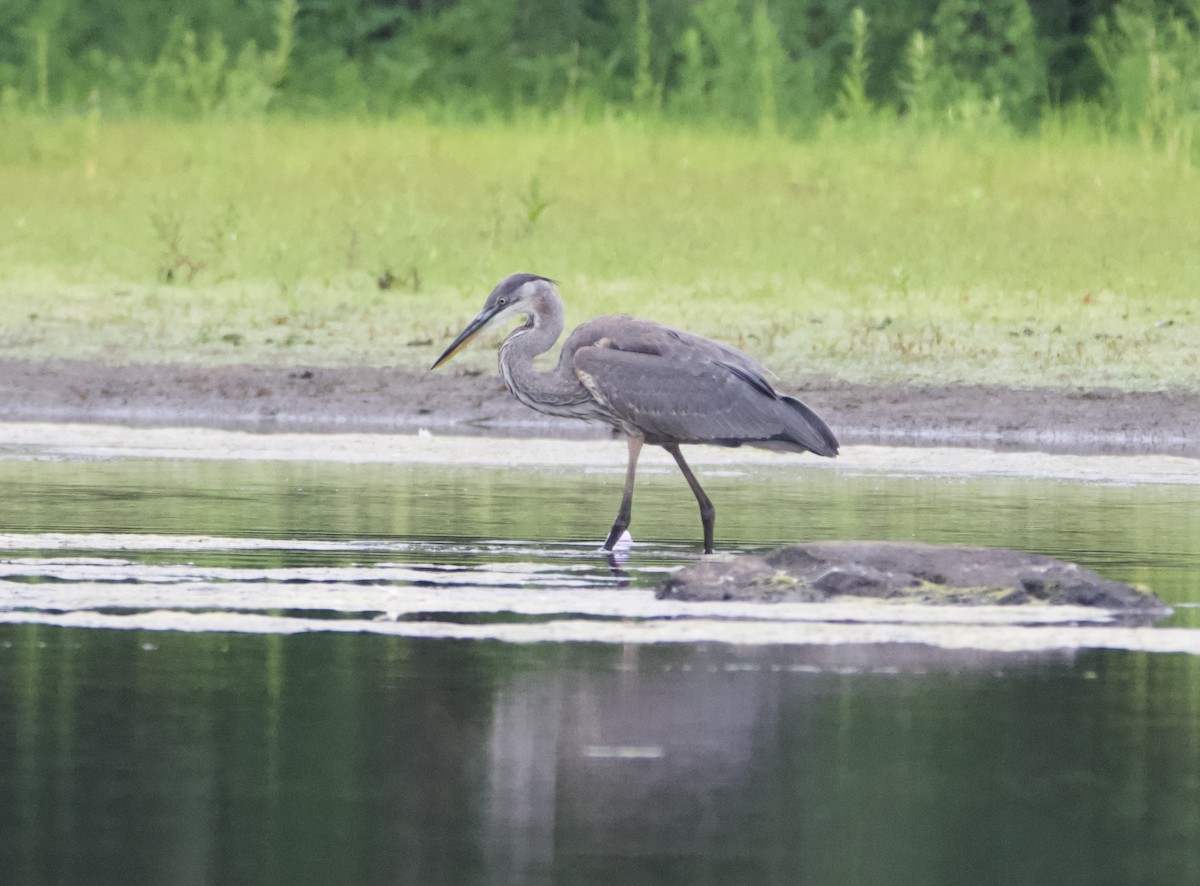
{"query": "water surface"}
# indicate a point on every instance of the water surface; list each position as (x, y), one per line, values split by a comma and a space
(220, 756)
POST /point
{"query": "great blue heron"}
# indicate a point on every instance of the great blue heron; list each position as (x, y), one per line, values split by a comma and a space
(656, 384)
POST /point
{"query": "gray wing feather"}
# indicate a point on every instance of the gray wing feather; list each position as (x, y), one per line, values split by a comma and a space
(675, 386)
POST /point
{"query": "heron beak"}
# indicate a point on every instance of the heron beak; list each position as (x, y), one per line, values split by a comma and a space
(481, 320)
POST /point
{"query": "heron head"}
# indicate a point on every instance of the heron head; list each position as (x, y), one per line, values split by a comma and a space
(515, 294)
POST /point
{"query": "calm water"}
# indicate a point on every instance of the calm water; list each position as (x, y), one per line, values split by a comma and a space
(166, 757)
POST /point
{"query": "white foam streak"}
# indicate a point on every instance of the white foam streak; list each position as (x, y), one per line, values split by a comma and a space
(78, 441)
(988, 638)
(609, 603)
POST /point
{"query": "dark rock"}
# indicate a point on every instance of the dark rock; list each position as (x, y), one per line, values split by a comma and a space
(904, 571)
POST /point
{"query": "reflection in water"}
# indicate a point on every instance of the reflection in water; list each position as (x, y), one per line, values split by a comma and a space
(130, 756)
(175, 758)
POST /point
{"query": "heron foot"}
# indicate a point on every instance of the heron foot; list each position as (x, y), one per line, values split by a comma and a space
(623, 542)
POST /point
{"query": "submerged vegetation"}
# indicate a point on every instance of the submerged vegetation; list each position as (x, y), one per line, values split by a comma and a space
(951, 191)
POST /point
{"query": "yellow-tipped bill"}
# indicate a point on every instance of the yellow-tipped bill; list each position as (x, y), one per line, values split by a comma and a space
(481, 320)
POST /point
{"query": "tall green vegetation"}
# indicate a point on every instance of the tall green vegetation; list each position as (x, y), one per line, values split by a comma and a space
(761, 64)
(646, 93)
(852, 99)
(947, 190)
(986, 52)
(1151, 56)
(917, 88)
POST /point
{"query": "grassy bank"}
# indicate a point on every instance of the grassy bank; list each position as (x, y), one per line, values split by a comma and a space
(866, 253)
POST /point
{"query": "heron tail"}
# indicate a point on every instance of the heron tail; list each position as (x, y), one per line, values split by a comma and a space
(805, 428)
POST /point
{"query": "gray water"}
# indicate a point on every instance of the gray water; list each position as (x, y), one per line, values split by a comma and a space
(223, 755)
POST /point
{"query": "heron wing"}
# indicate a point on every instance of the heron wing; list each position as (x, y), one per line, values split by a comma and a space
(676, 387)
(632, 334)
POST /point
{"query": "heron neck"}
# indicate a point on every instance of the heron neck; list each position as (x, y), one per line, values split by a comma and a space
(540, 390)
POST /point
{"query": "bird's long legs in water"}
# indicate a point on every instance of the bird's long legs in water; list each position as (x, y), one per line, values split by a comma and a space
(635, 442)
(707, 511)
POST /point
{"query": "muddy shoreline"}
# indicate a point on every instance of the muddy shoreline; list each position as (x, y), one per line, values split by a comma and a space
(385, 400)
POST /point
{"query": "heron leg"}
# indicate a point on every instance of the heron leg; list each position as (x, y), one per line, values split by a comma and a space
(622, 523)
(707, 512)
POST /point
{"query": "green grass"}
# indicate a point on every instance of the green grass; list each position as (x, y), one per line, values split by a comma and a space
(871, 254)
